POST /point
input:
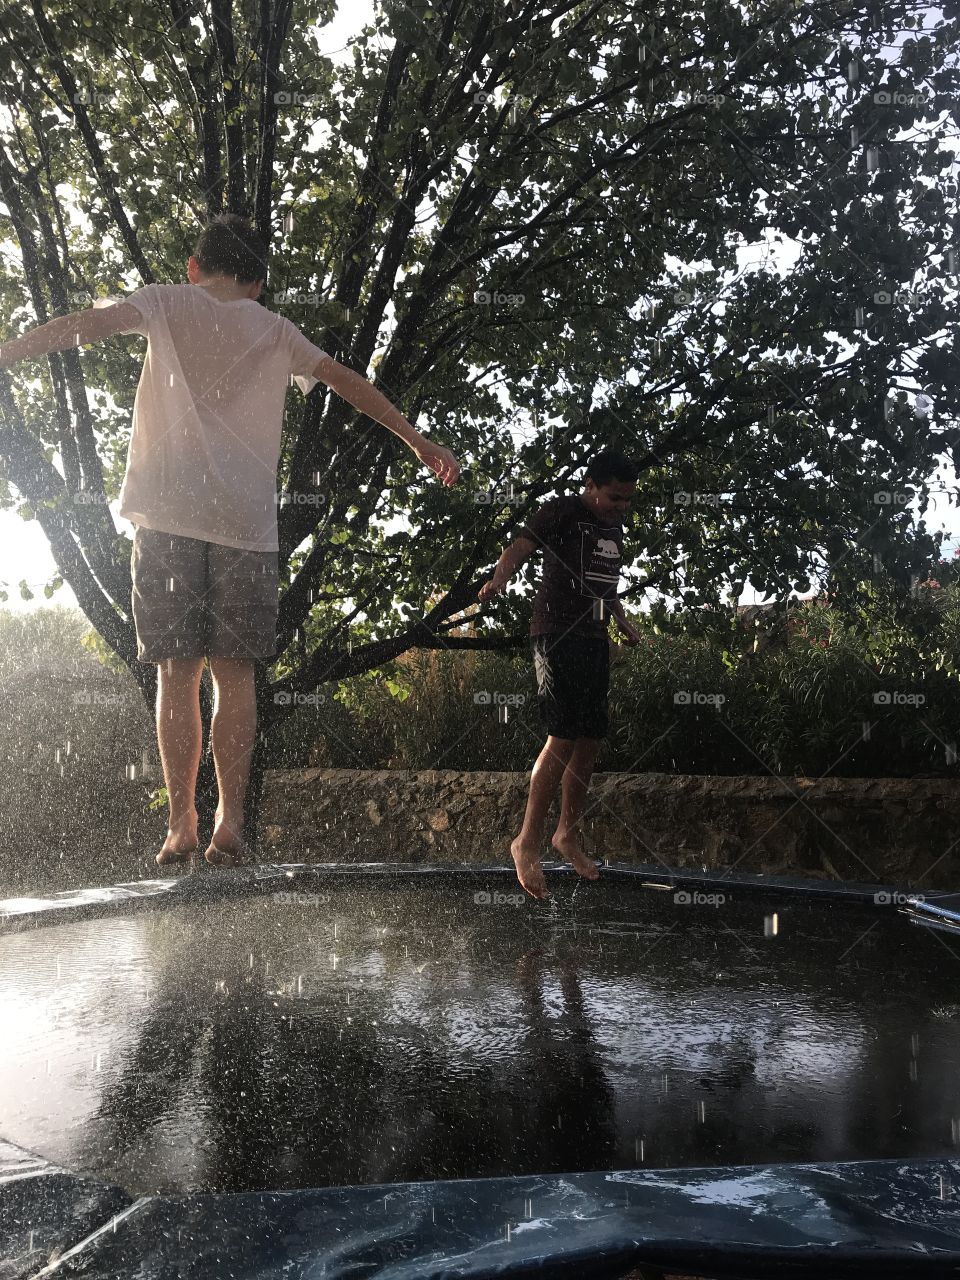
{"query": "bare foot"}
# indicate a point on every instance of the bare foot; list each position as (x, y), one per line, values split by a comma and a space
(227, 847)
(568, 843)
(529, 871)
(181, 841)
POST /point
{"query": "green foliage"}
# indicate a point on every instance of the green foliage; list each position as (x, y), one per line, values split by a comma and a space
(158, 798)
(70, 732)
(599, 173)
(39, 639)
(797, 707)
(94, 643)
(804, 706)
(421, 713)
(807, 705)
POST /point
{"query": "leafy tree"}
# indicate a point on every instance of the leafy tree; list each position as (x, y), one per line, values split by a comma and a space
(519, 217)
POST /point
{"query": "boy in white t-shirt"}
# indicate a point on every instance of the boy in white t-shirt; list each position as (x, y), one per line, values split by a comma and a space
(200, 487)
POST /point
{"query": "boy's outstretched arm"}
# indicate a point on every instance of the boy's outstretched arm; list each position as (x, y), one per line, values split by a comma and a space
(77, 329)
(356, 390)
(508, 564)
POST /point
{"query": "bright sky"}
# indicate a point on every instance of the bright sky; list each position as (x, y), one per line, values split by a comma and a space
(24, 553)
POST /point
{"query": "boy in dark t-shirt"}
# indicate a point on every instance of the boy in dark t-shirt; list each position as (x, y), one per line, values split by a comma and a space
(581, 537)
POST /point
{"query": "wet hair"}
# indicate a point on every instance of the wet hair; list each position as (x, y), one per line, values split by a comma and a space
(230, 246)
(611, 466)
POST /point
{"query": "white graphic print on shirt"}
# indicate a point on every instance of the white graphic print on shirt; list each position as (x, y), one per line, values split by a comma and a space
(599, 559)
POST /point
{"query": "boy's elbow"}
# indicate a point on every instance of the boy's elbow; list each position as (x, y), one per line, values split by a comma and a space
(336, 375)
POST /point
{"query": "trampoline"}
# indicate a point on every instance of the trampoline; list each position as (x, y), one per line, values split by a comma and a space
(410, 1072)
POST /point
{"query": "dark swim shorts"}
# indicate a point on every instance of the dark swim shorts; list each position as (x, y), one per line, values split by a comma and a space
(573, 678)
(192, 598)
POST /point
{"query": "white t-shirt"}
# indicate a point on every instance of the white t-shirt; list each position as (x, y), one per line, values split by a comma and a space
(205, 446)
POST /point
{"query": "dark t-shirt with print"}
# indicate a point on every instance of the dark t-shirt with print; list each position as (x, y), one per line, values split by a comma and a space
(581, 564)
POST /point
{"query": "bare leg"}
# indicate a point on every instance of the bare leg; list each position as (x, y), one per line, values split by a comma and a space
(179, 738)
(575, 784)
(544, 780)
(231, 737)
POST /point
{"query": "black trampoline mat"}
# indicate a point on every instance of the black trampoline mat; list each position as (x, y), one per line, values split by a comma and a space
(370, 1033)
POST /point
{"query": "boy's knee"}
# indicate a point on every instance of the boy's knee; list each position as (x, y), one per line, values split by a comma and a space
(179, 669)
(230, 668)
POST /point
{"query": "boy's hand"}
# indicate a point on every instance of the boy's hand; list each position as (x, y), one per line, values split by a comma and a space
(439, 460)
(628, 631)
(618, 653)
(492, 587)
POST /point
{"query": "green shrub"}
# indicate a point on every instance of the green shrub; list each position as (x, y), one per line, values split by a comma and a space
(804, 704)
(422, 712)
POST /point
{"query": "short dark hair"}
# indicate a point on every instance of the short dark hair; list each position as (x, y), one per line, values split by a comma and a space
(611, 465)
(230, 246)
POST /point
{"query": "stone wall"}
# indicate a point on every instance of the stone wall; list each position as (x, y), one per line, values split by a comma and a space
(881, 830)
(886, 830)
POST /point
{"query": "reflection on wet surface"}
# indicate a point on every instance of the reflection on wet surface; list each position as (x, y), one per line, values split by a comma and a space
(387, 1034)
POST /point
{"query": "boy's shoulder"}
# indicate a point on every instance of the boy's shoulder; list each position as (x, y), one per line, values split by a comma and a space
(563, 504)
(171, 288)
(554, 519)
(157, 291)
(552, 509)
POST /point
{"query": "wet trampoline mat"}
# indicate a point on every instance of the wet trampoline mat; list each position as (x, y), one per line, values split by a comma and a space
(345, 1034)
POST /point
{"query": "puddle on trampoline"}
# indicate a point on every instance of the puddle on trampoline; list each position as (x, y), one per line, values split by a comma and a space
(384, 1034)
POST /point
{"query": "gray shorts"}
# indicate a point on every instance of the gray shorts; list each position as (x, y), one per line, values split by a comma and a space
(192, 598)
